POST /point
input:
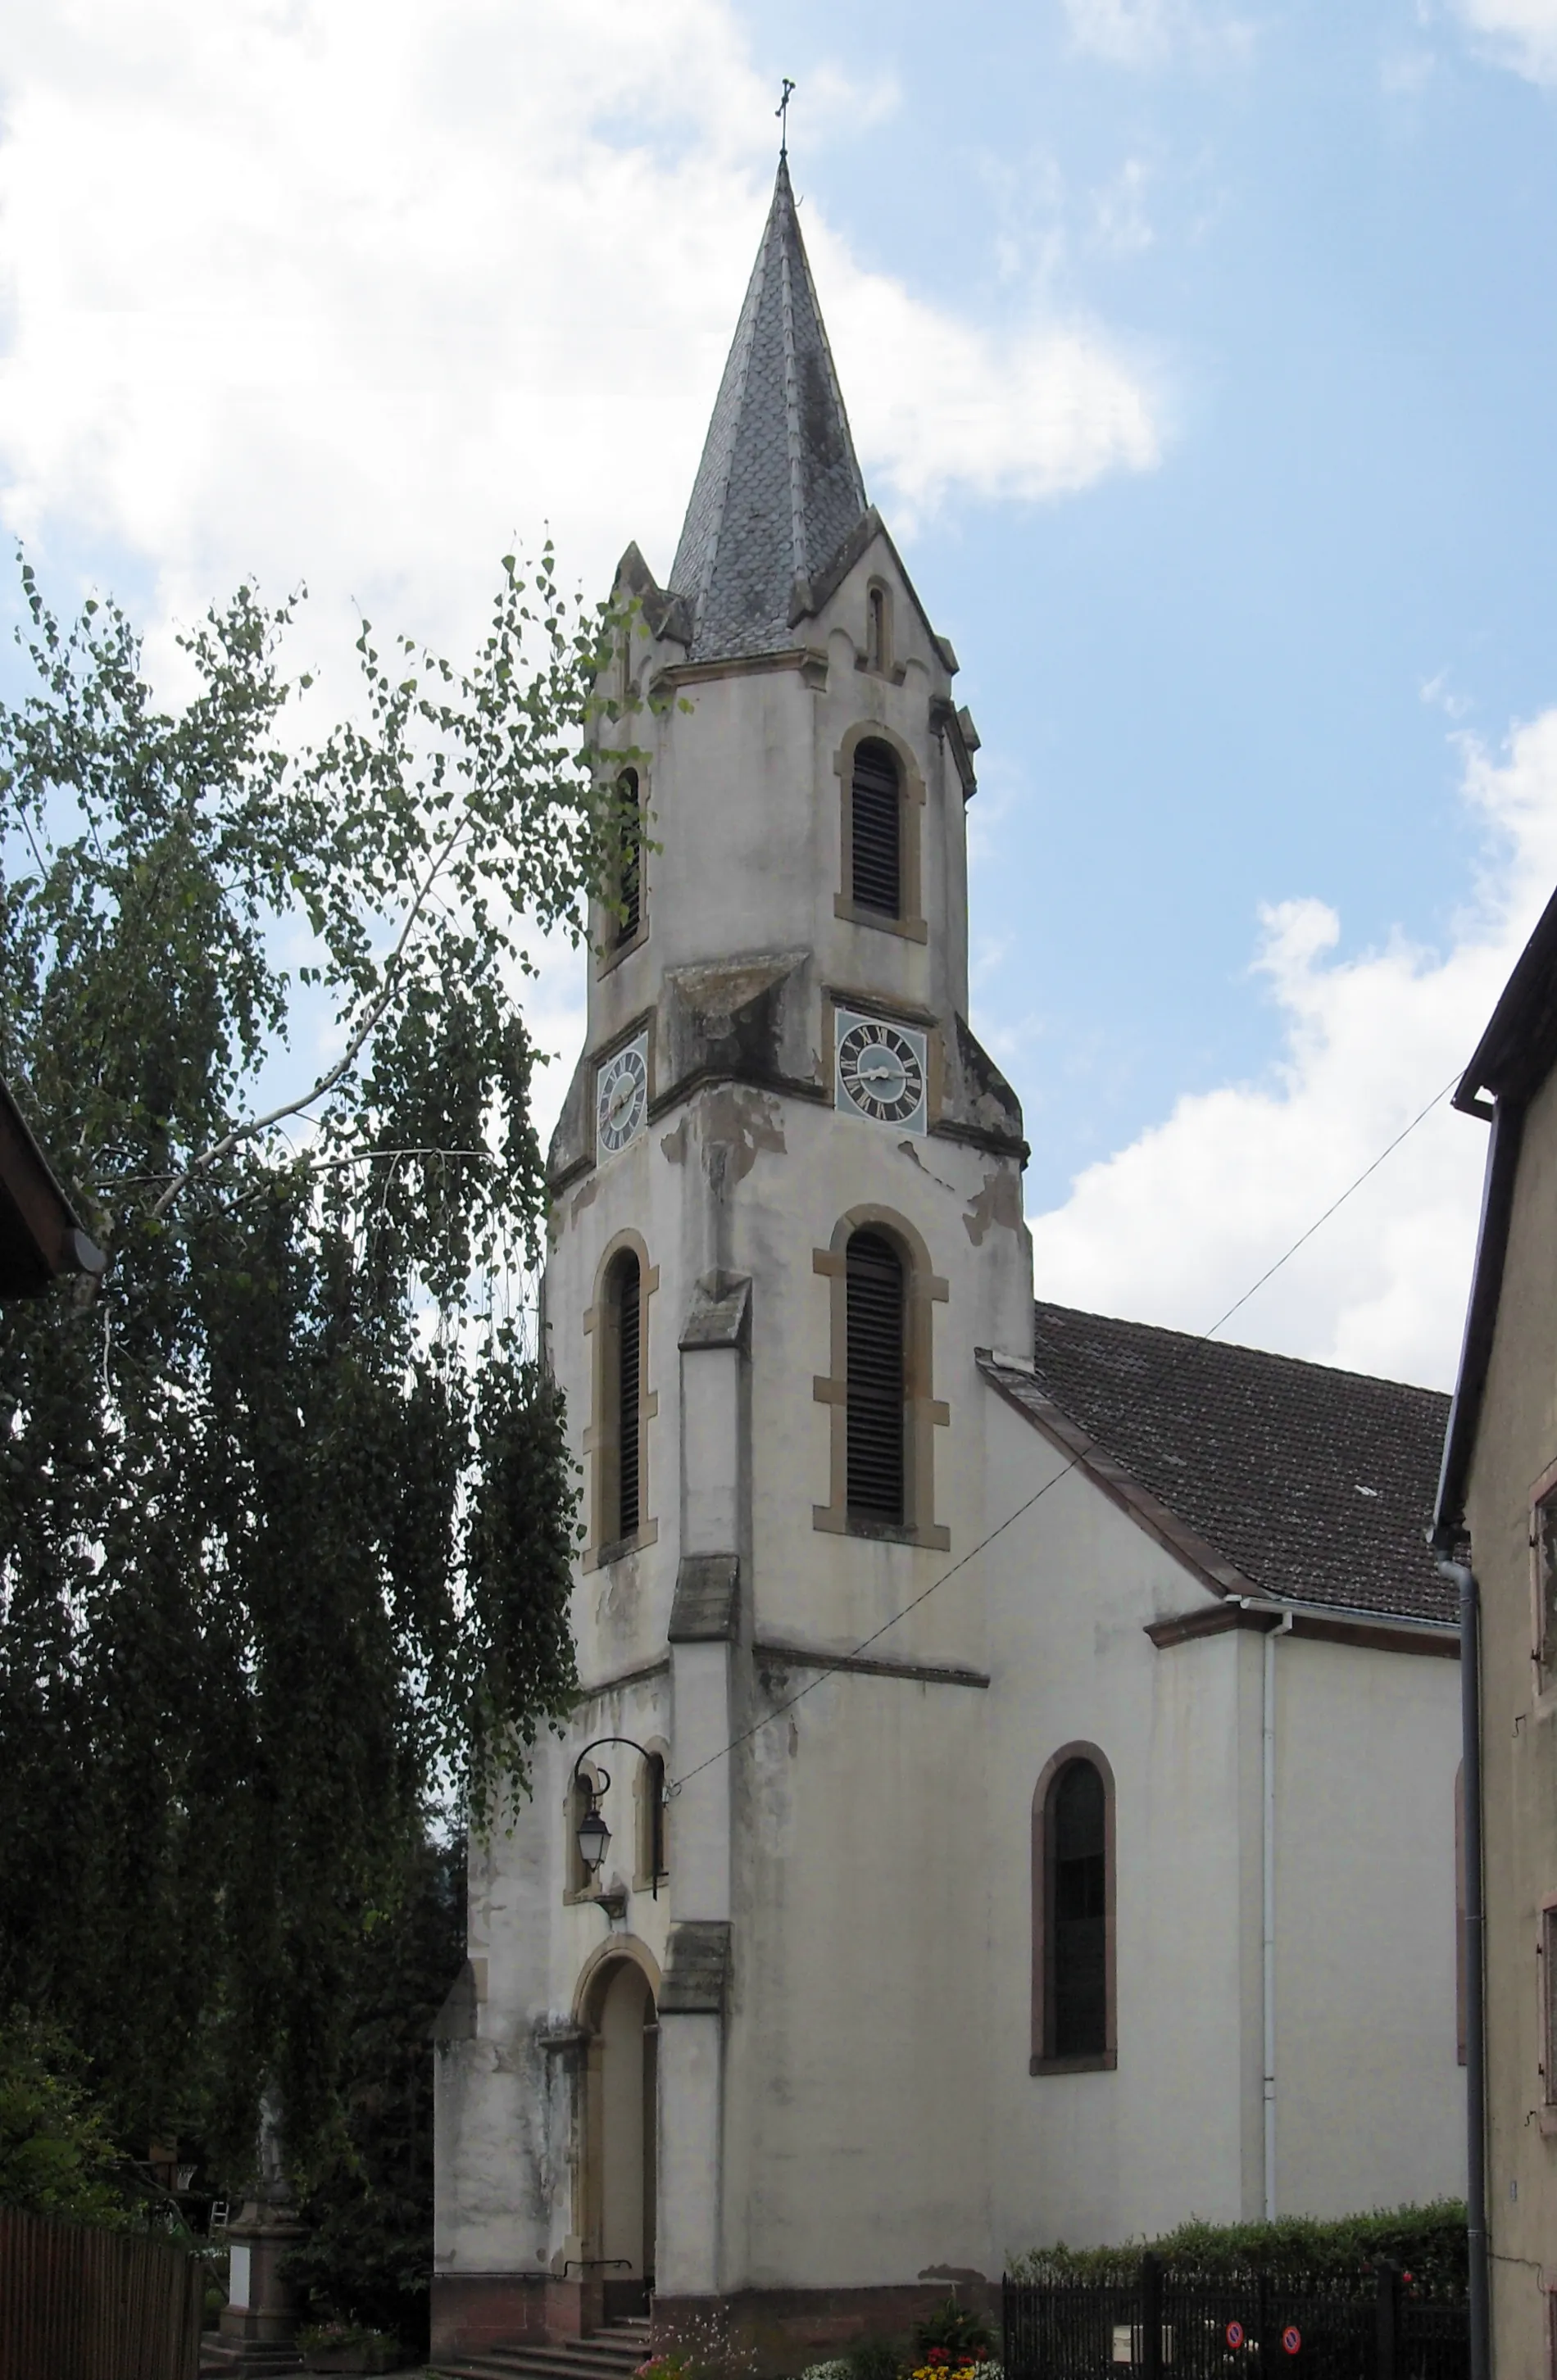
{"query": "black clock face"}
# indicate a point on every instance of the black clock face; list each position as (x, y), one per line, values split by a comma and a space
(881, 1072)
(621, 1096)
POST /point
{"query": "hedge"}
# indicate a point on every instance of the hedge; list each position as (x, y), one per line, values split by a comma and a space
(1429, 2242)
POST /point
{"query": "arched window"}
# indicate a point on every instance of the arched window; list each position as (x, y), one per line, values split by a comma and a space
(876, 829)
(878, 630)
(623, 1354)
(1073, 1913)
(652, 1865)
(874, 1290)
(630, 883)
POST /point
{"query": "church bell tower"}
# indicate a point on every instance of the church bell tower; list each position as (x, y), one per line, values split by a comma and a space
(786, 1210)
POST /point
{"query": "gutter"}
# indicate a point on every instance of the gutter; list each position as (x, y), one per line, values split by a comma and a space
(1476, 2005)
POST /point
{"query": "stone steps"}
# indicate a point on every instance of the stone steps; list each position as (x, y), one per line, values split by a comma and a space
(228, 2359)
(612, 2353)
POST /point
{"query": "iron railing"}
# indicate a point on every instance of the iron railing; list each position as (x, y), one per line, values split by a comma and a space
(1255, 2326)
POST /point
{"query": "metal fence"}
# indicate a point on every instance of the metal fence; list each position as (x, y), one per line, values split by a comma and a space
(83, 2304)
(1257, 2326)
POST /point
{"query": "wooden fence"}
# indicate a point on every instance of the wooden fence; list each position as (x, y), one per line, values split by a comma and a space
(82, 2304)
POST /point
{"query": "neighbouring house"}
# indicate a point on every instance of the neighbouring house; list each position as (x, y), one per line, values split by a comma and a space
(40, 1237)
(1497, 1507)
(1024, 1741)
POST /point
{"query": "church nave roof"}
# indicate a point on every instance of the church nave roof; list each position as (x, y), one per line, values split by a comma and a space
(1304, 1482)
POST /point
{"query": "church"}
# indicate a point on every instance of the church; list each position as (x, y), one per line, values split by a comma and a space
(1012, 1792)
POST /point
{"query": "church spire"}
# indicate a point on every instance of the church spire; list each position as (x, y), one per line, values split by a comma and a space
(778, 490)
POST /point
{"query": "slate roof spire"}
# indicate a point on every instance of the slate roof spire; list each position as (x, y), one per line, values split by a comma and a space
(778, 490)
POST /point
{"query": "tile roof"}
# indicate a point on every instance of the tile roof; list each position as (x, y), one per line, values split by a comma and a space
(1307, 1483)
(778, 491)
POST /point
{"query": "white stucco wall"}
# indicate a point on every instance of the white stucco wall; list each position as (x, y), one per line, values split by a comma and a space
(1096, 2156)
(865, 2112)
(1371, 2093)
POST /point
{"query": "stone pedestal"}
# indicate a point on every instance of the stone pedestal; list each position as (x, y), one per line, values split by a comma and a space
(258, 2331)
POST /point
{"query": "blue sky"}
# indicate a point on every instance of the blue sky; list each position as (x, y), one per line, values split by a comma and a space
(1200, 357)
(1327, 233)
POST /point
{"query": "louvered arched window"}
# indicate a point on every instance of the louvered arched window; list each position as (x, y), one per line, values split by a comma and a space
(630, 886)
(624, 1304)
(874, 1281)
(1072, 1913)
(876, 829)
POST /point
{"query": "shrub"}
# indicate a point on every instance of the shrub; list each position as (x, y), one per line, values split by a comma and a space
(963, 2334)
(873, 2358)
(56, 2156)
(1428, 2242)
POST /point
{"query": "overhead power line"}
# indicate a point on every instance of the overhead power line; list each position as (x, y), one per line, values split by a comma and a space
(832, 1669)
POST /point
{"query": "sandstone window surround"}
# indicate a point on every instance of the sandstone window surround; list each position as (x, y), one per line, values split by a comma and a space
(859, 766)
(924, 1412)
(623, 1404)
(1074, 1981)
(880, 655)
(617, 936)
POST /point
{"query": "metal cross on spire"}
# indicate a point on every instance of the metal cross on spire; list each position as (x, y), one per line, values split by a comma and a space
(782, 111)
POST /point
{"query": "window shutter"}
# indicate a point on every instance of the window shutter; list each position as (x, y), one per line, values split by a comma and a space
(1078, 1912)
(629, 1313)
(873, 1282)
(632, 857)
(876, 829)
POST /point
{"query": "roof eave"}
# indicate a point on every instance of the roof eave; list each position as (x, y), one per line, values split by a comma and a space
(1481, 1321)
(40, 1235)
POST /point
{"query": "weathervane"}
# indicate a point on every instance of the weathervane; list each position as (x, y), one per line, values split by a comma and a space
(782, 111)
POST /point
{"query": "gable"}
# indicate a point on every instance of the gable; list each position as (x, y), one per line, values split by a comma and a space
(1282, 1479)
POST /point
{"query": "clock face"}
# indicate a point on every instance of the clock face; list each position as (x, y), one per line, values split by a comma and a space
(622, 1096)
(881, 1069)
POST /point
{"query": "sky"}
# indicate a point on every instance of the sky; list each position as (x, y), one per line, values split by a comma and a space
(1200, 358)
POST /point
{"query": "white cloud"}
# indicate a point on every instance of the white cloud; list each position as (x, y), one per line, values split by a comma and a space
(1142, 33)
(352, 290)
(1176, 1226)
(1518, 33)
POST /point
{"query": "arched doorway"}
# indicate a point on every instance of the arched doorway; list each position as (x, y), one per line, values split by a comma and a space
(623, 2127)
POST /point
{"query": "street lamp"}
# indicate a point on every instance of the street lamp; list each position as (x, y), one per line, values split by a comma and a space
(592, 1835)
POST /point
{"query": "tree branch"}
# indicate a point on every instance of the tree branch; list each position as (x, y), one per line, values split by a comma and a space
(343, 1067)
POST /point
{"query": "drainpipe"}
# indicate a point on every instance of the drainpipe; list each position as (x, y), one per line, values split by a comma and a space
(1268, 1945)
(1476, 2012)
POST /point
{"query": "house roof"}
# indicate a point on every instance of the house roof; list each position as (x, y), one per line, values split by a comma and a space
(40, 1237)
(778, 492)
(1269, 1477)
(1518, 1049)
(1511, 1061)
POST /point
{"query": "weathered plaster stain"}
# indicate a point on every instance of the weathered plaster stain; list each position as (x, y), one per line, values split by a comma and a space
(583, 1199)
(1000, 1201)
(907, 1148)
(737, 1124)
(673, 1144)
